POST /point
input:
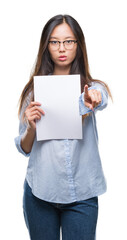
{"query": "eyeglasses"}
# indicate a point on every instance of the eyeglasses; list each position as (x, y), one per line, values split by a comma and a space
(68, 44)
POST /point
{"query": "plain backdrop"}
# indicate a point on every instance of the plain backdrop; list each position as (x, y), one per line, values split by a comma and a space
(104, 26)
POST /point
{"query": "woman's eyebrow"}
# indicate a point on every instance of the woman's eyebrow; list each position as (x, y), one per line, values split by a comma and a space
(70, 37)
(53, 37)
(64, 38)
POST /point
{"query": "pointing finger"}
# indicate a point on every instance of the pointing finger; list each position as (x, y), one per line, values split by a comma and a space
(86, 90)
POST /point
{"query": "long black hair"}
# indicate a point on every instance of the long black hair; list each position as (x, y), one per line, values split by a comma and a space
(44, 65)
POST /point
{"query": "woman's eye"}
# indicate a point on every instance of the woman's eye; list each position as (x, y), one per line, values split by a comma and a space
(54, 42)
(68, 41)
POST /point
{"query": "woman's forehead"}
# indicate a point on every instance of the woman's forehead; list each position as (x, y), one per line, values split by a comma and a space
(62, 31)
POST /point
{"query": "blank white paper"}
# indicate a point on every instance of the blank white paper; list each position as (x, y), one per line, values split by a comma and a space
(59, 98)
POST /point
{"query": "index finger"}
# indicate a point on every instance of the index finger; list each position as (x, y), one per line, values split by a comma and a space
(86, 89)
(35, 103)
(32, 104)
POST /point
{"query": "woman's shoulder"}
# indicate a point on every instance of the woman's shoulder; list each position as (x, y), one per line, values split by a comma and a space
(98, 85)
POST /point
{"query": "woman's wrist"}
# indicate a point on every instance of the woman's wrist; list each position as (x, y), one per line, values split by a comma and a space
(28, 139)
(30, 130)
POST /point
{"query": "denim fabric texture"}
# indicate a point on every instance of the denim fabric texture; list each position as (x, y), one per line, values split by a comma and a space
(44, 219)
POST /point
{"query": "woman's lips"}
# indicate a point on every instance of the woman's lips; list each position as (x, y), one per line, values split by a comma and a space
(62, 58)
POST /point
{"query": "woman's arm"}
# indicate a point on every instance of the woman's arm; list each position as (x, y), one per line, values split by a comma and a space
(27, 128)
(27, 140)
(32, 113)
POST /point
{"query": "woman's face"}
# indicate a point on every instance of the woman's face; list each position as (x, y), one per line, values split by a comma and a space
(61, 56)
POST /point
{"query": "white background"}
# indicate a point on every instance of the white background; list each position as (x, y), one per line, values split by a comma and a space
(104, 26)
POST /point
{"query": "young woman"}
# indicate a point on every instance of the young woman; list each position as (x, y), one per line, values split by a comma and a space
(64, 177)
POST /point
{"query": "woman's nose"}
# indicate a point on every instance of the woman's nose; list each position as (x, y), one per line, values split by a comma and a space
(61, 46)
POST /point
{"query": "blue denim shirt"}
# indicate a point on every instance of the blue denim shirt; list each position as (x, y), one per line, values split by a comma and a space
(67, 170)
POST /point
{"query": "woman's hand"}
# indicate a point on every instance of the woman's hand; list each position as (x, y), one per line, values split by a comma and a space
(92, 97)
(33, 112)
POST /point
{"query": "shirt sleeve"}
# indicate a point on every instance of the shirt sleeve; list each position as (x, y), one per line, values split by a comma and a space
(83, 109)
(22, 129)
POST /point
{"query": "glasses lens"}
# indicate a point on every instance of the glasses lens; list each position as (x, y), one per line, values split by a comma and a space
(69, 44)
(54, 45)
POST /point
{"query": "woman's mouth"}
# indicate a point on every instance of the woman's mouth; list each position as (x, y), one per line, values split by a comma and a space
(62, 58)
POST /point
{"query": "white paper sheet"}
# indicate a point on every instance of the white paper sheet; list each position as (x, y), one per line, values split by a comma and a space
(59, 98)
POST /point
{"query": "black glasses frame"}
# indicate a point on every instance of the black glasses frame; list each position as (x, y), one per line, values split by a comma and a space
(75, 41)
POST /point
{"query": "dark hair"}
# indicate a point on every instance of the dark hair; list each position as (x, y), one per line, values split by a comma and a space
(44, 65)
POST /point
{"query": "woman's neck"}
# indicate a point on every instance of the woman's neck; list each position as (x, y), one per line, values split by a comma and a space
(61, 71)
